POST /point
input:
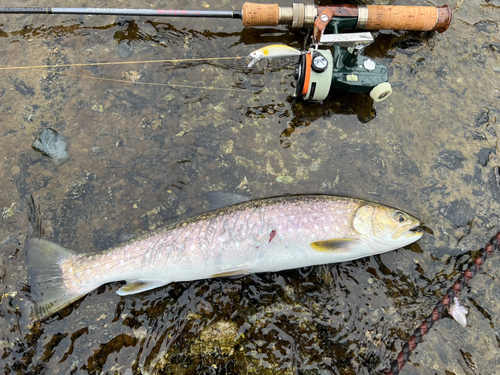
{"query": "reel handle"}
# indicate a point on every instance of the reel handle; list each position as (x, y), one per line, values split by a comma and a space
(370, 17)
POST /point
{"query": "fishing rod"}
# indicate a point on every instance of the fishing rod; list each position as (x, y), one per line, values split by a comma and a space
(370, 17)
(318, 70)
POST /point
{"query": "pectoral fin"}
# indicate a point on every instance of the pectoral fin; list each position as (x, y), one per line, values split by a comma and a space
(338, 245)
(139, 286)
(234, 272)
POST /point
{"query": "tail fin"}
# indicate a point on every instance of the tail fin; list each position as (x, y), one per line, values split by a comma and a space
(48, 291)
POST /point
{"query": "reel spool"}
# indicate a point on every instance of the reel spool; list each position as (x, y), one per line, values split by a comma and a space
(314, 75)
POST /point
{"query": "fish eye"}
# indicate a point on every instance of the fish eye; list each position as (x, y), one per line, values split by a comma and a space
(399, 216)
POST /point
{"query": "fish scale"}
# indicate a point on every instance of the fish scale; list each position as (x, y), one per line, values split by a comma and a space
(261, 235)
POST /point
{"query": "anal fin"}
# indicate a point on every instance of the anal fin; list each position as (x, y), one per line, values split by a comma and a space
(139, 286)
(233, 272)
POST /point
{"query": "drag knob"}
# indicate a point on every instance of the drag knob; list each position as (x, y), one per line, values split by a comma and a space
(319, 62)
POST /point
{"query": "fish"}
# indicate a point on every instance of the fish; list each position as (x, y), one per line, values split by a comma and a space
(458, 312)
(250, 236)
(272, 51)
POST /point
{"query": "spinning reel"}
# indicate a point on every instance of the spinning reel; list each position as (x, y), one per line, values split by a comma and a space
(344, 66)
(346, 69)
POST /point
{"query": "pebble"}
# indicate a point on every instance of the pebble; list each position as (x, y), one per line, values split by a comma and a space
(125, 49)
(51, 144)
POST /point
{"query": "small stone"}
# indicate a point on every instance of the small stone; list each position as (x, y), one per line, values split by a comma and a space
(125, 49)
(51, 144)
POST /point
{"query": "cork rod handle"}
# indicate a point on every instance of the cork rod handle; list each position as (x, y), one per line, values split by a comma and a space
(387, 17)
(260, 14)
(370, 17)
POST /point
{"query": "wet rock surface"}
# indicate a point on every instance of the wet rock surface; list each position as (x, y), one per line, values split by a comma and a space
(459, 212)
(495, 182)
(451, 159)
(484, 156)
(147, 143)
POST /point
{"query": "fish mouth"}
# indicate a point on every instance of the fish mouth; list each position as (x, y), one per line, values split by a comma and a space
(416, 230)
(410, 230)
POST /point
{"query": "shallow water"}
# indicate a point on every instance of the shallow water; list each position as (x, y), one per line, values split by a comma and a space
(141, 155)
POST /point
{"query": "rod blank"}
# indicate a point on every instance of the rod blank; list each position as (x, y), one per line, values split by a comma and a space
(126, 12)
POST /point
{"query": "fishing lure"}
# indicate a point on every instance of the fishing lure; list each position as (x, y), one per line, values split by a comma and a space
(272, 51)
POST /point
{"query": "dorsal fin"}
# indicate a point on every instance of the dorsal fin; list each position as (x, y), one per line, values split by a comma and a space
(221, 199)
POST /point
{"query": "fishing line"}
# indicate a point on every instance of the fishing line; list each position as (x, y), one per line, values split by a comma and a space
(121, 63)
(157, 84)
(39, 68)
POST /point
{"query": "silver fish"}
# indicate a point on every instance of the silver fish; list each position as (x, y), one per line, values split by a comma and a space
(261, 235)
